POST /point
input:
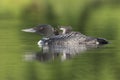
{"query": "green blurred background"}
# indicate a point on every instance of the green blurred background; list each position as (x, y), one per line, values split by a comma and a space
(98, 18)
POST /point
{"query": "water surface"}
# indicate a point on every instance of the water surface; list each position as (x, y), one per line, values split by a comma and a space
(101, 63)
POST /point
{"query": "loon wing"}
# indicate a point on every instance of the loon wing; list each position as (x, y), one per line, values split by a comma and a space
(75, 38)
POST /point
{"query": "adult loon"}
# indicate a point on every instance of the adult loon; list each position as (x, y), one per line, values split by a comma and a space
(67, 38)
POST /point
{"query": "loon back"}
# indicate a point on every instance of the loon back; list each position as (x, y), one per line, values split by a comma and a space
(74, 38)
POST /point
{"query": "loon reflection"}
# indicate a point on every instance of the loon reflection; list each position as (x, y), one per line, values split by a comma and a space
(58, 52)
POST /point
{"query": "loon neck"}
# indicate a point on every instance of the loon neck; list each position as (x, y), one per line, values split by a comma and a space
(49, 32)
(48, 35)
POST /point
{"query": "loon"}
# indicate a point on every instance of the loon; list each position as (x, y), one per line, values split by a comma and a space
(66, 38)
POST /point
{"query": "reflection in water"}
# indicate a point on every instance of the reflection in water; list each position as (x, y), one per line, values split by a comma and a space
(53, 52)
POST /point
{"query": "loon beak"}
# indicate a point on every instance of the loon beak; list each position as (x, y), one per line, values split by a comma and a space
(32, 30)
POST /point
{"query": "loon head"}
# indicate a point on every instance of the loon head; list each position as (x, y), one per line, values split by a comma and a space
(65, 29)
(44, 29)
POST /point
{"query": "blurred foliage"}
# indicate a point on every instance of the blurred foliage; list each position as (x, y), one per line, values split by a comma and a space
(84, 16)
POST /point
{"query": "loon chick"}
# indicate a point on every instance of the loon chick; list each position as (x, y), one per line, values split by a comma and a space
(44, 29)
(65, 29)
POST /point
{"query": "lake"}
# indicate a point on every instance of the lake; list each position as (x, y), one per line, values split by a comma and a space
(18, 60)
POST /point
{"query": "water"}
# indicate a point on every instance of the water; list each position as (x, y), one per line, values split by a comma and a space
(22, 59)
